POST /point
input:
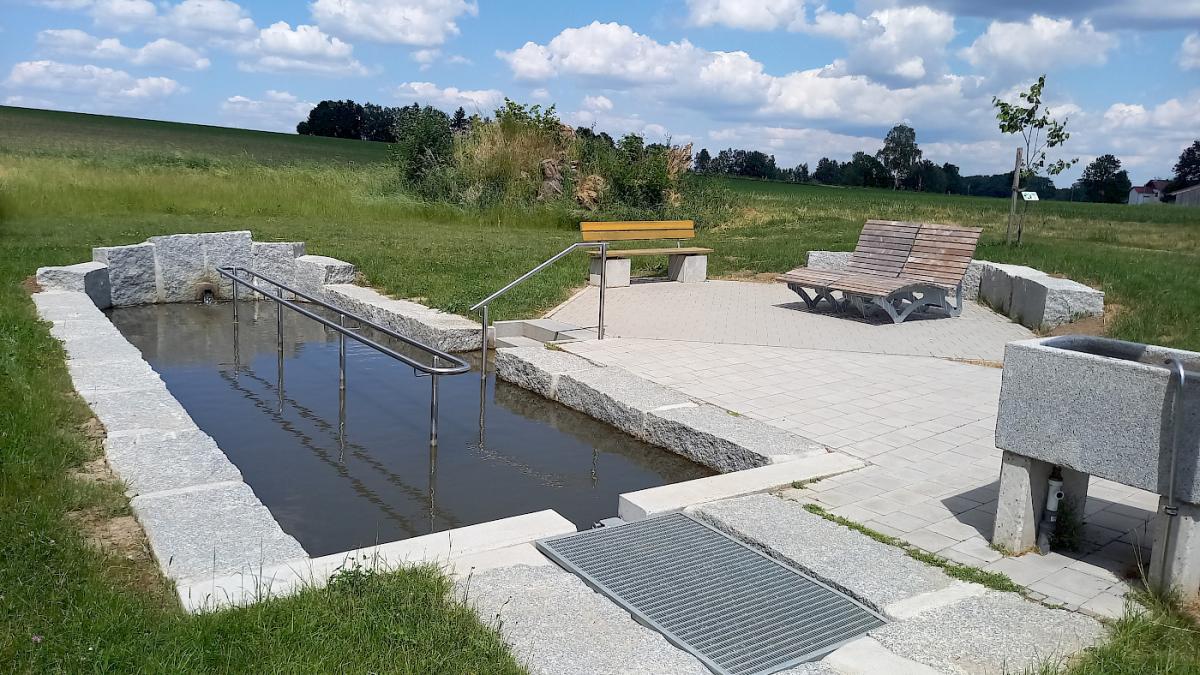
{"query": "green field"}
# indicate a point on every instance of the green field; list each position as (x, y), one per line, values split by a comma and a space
(70, 182)
(126, 140)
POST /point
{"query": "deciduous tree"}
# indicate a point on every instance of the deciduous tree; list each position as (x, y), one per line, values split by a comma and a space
(1105, 181)
(899, 153)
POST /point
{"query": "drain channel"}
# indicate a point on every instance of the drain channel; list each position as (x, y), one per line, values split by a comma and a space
(736, 609)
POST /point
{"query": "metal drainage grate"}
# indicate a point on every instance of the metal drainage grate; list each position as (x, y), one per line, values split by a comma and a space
(734, 608)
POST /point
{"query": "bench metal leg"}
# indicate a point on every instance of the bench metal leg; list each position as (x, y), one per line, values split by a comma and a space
(819, 294)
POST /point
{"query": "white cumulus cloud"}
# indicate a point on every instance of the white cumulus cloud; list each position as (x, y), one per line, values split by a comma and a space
(275, 111)
(160, 52)
(597, 103)
(1030, 47)
(104, 85)
(482, 101)
(305, 49)
(747, 14)
(408, 22)
(615, 55)
(1189, 52)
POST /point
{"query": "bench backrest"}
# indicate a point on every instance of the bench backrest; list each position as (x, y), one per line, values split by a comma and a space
(883, 248)
(634, 230)
(941, 253)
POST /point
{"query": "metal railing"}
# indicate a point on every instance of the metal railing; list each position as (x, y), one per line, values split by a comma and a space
(455, 365)
(483, 304)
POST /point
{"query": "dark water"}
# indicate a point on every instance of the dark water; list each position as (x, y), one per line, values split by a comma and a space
(379, 481)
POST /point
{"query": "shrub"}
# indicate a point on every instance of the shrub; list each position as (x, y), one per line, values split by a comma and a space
(424, 144)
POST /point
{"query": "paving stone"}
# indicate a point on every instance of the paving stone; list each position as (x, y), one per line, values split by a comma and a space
(135, 410)
(615, 396)
(66, 306)
(875, 573)
(725, 442)
(185, 261)
(132, 273)
(91, 377)
(556, 625)
(537, 368)
(865, 656)
(993, 633)
(212, 530)
(89, 278)
(97, 343)
(152, 461)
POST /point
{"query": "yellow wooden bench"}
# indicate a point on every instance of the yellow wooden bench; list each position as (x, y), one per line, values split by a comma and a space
(687, 264)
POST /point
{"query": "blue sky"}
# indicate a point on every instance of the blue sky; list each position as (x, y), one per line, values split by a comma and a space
(799, 80)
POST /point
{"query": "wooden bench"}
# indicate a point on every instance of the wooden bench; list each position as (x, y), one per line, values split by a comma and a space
(897, 266)
(684, 264)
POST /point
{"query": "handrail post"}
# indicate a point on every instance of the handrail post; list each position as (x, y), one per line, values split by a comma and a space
(603, 285)
(433, 407)
(279, 345)
(483, 347)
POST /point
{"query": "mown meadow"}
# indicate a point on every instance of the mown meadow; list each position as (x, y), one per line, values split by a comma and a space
(71, 182)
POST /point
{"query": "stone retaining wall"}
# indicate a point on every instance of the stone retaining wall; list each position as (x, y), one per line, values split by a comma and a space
(1028, 296)
(181, 267)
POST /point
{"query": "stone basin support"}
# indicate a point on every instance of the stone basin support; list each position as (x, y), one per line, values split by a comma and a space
(1110, 409)
(1022, 500)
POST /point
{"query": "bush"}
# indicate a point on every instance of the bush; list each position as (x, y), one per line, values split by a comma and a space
(525, 155)
(424, 143)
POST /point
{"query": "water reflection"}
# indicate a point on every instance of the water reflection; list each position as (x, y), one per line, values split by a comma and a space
(342, 456)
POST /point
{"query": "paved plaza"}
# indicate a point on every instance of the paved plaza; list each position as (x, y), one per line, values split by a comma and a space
(769, 314)
(925, 423)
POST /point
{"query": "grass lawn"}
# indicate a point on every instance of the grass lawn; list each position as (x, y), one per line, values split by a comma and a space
(71, 182)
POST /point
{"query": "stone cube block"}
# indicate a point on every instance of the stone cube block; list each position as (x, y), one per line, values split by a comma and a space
(617, 272)
(185, 261)
(276, 260)
(835, 261)
(615, 396)
(687, 269)
(88, 277)
(1046, 302)
(132, 275)
(996, 284)
(314, 271)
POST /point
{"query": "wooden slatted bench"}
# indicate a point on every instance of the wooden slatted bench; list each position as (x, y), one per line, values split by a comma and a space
(896, 266)
(684, 264)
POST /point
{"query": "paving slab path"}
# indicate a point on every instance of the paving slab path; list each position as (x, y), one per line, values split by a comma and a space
(732, 312)
(904, 398)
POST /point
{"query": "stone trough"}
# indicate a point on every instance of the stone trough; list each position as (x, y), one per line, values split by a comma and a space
(1099, 407)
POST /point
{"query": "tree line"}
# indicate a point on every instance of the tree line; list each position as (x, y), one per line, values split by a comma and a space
(899, 164)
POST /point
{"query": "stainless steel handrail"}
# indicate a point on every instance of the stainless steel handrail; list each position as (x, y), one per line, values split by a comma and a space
(483, 304)
(456, 367)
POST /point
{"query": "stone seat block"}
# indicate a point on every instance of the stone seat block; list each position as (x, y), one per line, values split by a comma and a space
(1047, 302)
(90, 278)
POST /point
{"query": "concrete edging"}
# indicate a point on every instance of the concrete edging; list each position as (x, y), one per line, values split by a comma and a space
(207, 530)
(656, 414)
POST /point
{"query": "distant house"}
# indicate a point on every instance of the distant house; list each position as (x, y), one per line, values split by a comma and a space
(1150, 193)
(1188, 196)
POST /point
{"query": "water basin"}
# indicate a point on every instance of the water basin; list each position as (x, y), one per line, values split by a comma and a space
(338, 475)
